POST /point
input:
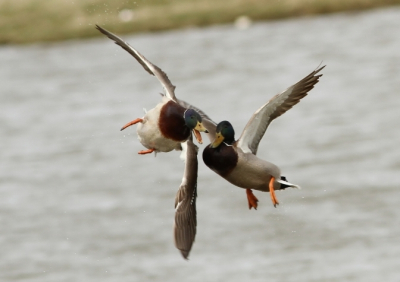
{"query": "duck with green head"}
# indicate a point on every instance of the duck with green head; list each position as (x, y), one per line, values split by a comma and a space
(168, 126)
(169, 123)
(236, 160)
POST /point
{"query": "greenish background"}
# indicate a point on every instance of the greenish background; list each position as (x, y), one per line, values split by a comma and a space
(25, 21)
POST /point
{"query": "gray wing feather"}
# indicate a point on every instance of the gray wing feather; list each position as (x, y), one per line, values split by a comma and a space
(147, 65)
(185, 203)
(278, 105)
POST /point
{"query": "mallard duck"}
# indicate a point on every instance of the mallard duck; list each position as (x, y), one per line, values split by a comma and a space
(169, 123)
(236, 160)
(167, 127)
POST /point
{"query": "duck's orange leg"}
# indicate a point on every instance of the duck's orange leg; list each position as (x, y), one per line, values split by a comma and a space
(272, 192)
(135, 121)
(144, 152)
(251, 199)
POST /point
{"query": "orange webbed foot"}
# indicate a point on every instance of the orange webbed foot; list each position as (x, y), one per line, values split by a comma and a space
(144, 152)
(272, 192)
(135, 121)
(251, 199)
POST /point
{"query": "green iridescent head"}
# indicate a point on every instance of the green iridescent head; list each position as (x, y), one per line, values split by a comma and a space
(224, 133)
(192, 118)
(194, 121)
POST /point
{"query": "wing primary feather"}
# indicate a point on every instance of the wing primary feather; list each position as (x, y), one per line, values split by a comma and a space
(146, 64)
(275, 107)
(185, 223)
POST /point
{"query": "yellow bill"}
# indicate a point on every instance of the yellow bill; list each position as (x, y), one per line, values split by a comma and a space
(218, 140)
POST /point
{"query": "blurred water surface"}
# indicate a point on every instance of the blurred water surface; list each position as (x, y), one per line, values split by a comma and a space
(78, 204)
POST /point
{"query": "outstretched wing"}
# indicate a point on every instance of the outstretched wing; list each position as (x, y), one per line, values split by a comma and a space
(148, 66)
(278, 105)
(185, 201)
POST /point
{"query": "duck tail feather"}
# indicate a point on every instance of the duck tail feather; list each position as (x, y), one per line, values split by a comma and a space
(285, 184)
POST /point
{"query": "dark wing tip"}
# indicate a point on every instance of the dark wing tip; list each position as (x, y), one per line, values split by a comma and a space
(99, 28)
(185, 254)
(120, 42)
(318, 70)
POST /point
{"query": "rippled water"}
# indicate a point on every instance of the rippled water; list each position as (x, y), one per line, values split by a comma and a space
(78, 204)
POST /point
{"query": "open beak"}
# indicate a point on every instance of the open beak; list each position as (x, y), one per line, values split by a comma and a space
(200, 127)
(198, 136)
(196, 131)
(218, 140)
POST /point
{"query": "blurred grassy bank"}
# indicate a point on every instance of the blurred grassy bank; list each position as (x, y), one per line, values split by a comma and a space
(24, 21)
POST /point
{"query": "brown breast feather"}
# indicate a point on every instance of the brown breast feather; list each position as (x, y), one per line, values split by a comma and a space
(171, 122)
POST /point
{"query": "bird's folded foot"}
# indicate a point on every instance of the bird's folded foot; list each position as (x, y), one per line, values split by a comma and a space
(251, 199)
(135, 121)
(272, 192)
(144, 152)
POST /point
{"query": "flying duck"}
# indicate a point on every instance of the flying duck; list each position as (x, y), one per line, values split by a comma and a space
(236, 160)
(166, 127)
(169, 123)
